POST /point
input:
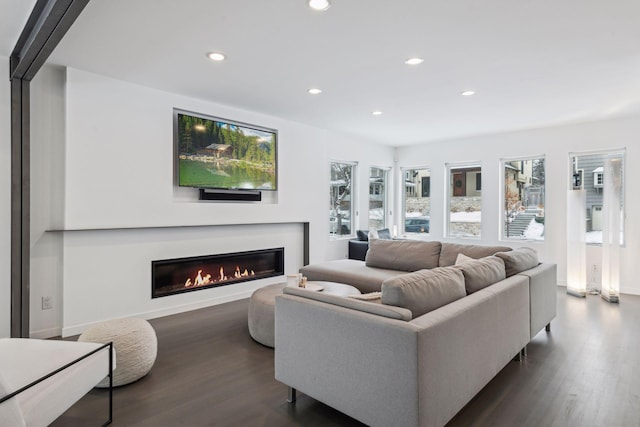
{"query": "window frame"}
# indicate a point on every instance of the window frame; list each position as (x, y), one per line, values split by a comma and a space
(403, 216)
(385, 195)
(449, 167)
(618, 152)
(501, 212)
(353, 212)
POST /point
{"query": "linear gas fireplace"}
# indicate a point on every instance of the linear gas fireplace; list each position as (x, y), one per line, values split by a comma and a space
(174, 276)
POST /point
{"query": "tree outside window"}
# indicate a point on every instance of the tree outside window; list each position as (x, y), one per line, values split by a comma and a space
(524, 198)
(340, 199)
(465, 201)
(417, 201)
(377, 198)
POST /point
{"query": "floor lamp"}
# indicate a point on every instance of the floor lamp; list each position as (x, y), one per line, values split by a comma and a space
(611, 216)
(576, 244)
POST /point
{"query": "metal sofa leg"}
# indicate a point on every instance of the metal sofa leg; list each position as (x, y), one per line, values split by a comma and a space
(548, 327)
(291, 395)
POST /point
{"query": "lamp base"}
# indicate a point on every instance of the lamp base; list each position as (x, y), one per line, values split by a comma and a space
(615, 299)
(580, 293)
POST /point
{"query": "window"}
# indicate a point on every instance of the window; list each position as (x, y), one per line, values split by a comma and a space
(377, 198)
(598, 177)
(591, 169)
(464, 201)
(416, 200)
(426, 186)
(340, 199)
(523, 198)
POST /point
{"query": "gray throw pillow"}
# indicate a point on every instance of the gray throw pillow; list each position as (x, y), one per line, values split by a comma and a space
(424, 290)
(363, 235)
(518, 260)
(384, 233)
(480, 273)
(404, 255)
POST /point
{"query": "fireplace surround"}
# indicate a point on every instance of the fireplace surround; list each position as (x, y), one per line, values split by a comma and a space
(179, 275)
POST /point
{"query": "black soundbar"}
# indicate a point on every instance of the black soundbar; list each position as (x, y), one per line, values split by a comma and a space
(231, 195)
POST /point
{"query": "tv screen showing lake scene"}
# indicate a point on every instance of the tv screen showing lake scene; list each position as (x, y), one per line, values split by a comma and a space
(216, 153)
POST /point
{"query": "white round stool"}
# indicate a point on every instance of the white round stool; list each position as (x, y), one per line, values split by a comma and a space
(135, 344)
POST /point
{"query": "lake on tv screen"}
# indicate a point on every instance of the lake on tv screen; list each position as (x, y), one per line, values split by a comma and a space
(194, 173)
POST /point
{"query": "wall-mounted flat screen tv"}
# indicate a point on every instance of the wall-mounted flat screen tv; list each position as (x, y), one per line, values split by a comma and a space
(222, 154)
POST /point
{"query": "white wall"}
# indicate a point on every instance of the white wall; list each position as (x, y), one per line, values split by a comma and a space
(5, 206)
(555, 143)
(113, 173)
(47, 198)
(118, 165)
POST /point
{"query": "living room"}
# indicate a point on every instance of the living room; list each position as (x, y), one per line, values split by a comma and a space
(104, 204)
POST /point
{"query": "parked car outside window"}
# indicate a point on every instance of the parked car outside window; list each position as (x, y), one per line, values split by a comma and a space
(416, 225)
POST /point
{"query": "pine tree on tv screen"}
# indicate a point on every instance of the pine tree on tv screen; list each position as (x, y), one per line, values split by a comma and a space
(214, 154)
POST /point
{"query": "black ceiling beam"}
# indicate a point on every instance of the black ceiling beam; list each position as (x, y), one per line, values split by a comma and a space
(47, 24)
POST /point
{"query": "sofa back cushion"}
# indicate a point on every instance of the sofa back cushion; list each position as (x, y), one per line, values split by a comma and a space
(480, 273)
(424, 290)
(450, 251)
(404, 255)
(518, 260)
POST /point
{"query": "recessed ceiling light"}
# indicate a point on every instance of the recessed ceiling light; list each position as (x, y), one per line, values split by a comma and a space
(376, 113)
(315, 91)
(216, 56)
(414, 61)
(467, 93)
(320, 5)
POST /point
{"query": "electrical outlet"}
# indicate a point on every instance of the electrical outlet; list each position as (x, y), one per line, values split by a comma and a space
(47, 303)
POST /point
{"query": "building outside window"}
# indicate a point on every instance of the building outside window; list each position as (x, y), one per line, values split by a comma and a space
(417, 201)
(464, 198)
(523, 198)
(588, 171)
(377, 198)
(341, 203)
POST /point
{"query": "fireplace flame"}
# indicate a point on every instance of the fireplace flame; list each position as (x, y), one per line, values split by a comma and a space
(200, 280)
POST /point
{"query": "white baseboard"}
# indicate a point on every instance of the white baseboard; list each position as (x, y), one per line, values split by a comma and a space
(45, 333)
(78, 329)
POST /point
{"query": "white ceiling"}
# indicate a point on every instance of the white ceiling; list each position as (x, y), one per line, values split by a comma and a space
(12, 20)
(532, 64)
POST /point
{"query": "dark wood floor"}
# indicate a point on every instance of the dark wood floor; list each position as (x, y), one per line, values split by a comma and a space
(209, 372)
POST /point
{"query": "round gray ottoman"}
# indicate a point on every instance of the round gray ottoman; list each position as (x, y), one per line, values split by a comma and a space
(261, 319)
(135, 344)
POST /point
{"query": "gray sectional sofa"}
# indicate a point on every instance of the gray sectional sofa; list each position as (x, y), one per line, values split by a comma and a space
(439, 333)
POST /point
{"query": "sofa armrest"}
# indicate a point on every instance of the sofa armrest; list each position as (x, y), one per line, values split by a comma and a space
(542, 295)
(358, 249)
(362, 364)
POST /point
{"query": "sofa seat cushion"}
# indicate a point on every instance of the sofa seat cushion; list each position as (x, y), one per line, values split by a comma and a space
(406, 255)
(450, 251)
(350, 271)
(480, 273)
(424, 290)
(397, 313)
(10, 412)
(519, 260)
